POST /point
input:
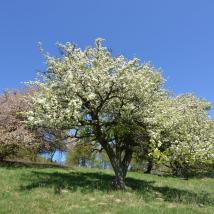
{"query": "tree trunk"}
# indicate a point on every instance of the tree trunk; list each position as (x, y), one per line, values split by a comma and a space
(83, 162)
(1, 159)
(51, 156)
(175, 168)
(119, 180)
(149, 166)
(120, 167)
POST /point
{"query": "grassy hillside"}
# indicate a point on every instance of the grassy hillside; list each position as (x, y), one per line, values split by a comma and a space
(56, 190)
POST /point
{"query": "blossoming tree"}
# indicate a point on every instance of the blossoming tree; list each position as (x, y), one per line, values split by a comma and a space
(103, 97)
(182, 133)
(18, 139)
(14, 134)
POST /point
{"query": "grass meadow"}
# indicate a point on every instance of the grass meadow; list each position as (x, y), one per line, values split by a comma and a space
(29, 189)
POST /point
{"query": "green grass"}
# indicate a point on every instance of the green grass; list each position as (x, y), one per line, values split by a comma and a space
(56, 190)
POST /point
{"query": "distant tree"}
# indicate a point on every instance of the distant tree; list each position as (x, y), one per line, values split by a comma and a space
(81, 153)
(16, 138)
(53, 141)
(182, 134)
(14, 134)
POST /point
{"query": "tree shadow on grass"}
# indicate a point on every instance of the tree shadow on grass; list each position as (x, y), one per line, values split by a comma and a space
(87, 182)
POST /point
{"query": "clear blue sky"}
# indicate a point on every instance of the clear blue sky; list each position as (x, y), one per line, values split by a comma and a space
(177, 36)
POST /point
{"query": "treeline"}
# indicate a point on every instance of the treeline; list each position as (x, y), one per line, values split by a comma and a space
(20, 142)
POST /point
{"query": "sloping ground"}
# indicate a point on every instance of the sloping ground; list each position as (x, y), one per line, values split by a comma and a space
(31, 189)
(21, 164)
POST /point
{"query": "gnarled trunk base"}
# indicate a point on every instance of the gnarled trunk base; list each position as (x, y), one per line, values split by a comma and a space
(119, 183)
